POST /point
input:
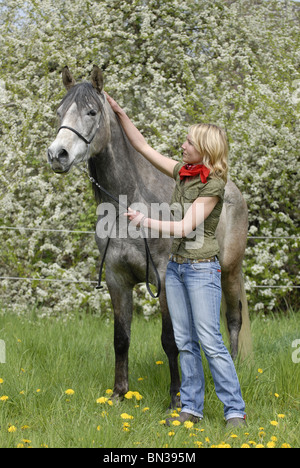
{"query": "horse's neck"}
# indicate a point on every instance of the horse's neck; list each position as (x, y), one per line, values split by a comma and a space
(119, 168)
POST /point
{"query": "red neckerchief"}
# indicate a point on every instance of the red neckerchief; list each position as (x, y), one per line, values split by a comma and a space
(192, 170)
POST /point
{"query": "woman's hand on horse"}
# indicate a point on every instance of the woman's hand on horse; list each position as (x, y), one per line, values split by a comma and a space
(113, 104)
(136, 217)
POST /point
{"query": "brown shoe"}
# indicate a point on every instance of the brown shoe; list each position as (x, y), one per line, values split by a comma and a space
(183, 417)
(235, 422)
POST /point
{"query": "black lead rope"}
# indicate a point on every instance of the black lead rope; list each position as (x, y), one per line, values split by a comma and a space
(149, 258)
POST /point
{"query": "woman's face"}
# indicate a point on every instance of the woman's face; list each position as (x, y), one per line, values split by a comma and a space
(190, 155)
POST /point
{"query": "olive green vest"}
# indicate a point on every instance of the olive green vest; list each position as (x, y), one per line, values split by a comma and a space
(204, 243)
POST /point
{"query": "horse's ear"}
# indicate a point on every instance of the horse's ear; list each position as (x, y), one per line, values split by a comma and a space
(97, 79)
(68, 79)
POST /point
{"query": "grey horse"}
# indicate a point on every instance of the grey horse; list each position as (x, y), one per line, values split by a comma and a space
(90, 131)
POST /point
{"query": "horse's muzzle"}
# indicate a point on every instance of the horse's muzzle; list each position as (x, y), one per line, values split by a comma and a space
(59, 160)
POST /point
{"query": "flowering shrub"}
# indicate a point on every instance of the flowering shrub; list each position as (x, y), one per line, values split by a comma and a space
(169, 63)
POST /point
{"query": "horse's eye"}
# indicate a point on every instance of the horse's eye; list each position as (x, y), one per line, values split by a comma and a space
(92, 112)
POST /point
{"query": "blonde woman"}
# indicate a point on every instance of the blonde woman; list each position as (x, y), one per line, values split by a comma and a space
(193, 278)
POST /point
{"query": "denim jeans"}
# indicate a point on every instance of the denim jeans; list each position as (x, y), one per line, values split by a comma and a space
(194, 299)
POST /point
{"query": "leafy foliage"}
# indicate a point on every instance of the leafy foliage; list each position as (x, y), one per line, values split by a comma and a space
(169, 63)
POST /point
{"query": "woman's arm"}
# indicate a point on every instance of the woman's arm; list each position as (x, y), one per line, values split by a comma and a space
(164, 164)
(196, 214)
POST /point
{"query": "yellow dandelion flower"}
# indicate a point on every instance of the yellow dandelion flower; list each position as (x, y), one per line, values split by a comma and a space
(188, 424)
(109, 391)
(271, 445)
(223, 445)
(1, 381)
(126, 426)
(4, 398)
(163, 421)
(260, 371)
(245, 446)
(251, 442)
(126, 416)
(138, 396)
(140, 379)
(25, 427)
(207, 439)
(259, 446)
(234, 436)
(274, 423)
(12, 429)
(101, 400)
(22, 392)
(26, 441)
(176, 423)
(69, 391)
(38, 390)
(159, 363)
(281, 416)
(98, 428)
(145, 409)
(110, 403)
(274, 439)
(128, 395)
(171, 433)
(286, 446)
(276, 394)
(198, 443)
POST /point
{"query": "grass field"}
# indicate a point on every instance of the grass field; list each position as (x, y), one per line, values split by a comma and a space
(47, 357)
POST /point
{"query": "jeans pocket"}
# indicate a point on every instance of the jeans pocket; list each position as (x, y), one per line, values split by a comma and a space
(201, 267)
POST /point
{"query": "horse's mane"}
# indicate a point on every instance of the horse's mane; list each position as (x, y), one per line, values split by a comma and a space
(84, 95)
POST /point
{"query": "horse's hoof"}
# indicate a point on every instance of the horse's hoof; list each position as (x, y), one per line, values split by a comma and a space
(175, 403)
(116, 397)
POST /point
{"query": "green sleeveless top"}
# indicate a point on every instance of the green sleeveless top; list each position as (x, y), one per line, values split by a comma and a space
(202, 242)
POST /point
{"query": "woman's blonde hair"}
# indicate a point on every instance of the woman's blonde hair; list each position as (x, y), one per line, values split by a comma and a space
(211, 142)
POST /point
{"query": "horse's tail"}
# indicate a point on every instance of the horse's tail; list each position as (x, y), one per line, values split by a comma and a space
(245, 337)
(245, 347)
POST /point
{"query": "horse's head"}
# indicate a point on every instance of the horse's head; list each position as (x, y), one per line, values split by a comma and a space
(84, 124)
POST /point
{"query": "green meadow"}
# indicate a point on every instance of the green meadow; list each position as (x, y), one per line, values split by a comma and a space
(58, 375)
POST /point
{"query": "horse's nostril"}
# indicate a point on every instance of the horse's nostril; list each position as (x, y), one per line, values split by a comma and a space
(63, 154)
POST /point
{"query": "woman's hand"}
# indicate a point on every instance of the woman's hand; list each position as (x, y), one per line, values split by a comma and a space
(113, 104)
(135, 217)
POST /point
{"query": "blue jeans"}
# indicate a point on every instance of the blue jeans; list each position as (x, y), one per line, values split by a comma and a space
(194, 299)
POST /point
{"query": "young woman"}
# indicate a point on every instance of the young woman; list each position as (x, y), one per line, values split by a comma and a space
(193, 278)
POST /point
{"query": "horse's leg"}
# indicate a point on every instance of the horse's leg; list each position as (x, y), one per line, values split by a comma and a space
(170, 348)
(122, 305)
